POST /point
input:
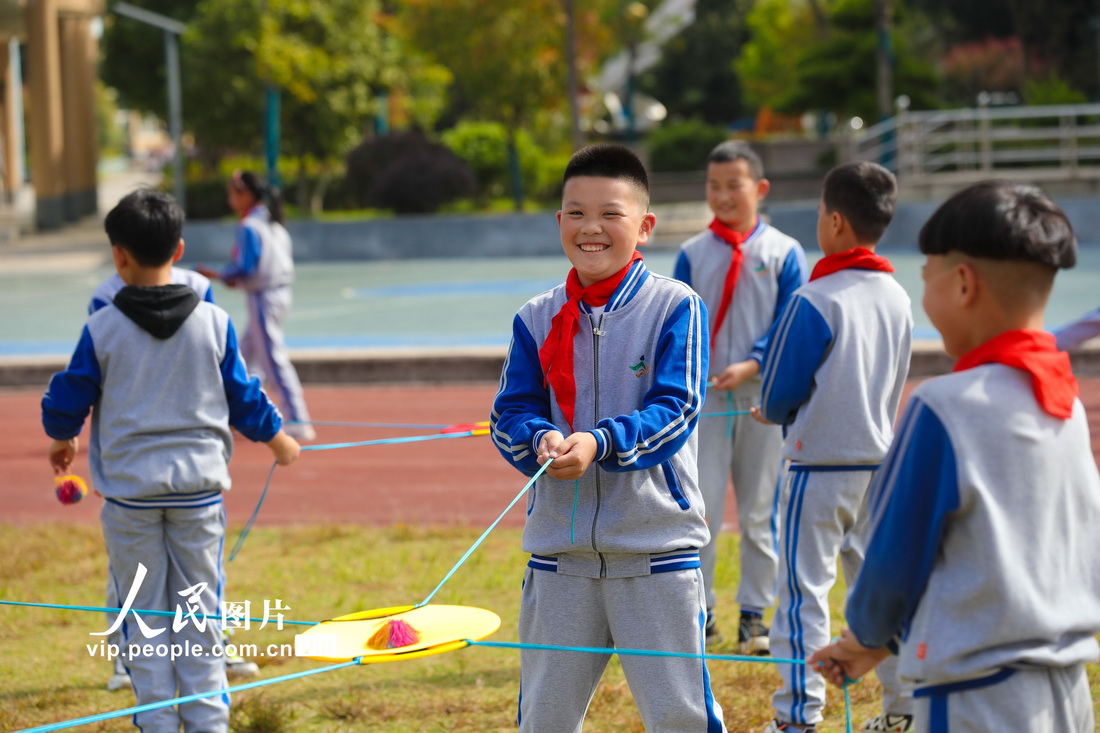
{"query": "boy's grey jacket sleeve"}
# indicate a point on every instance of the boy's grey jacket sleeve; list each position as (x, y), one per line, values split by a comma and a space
(521, 410)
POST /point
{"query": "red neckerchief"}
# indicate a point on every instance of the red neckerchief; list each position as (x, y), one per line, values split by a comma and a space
(556, 354)
(859, 258)
(734, 240)
(1034, 352)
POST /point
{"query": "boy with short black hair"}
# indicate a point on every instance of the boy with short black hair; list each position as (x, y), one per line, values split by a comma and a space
(160, 368)
(833, 378)
(745, 271)
(606, 376)
(983, 558)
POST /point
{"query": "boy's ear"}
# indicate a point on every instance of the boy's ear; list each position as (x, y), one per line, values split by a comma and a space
(649, 222)
(762, 188)
(179, 252)
(120, 256)
(968, 283)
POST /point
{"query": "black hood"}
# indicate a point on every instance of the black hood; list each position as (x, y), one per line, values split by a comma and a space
(160, 309)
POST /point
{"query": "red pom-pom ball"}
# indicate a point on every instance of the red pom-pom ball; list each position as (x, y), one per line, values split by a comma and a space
(70, 489)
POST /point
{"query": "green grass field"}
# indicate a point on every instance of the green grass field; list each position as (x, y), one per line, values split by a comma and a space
(47, 674)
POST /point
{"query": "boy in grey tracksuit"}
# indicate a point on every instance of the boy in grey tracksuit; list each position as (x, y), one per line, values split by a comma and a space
(161, 369)
(605, 376)
(833, 377)
(981, 572)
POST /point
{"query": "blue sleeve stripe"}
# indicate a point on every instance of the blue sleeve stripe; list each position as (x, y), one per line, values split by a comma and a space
(793, 359)
(911, 499)
(693, 388)
(777, 342)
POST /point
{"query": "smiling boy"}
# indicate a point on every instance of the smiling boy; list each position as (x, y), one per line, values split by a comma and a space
(606, 376)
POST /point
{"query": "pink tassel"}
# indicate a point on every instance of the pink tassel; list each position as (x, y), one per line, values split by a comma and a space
(393, 634)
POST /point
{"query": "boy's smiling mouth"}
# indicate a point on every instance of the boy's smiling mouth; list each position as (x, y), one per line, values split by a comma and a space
(593, 246)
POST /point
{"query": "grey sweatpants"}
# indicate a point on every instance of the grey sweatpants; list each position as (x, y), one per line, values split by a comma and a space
(822, 518)
(180, 548)
(661, 612)
(751, 453)
(1042, 700)
(265, 354)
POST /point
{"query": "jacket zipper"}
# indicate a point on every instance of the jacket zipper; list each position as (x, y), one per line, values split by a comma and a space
(596, 333)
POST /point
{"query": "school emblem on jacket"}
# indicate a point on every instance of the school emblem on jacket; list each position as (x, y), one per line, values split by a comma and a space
(761, 269)
(640, 369)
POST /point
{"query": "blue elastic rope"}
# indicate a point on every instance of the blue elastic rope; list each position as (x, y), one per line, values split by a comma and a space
(336, 423)
(181, 700)
(145, 611)
(255, 512)
(726, 414)
(634, 652)
(331, 446)
(485, 534)
(391, 441)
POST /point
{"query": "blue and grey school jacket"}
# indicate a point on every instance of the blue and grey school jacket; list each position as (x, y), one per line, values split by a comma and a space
(263, 258)
(985, 552)
(107, 290)
(836, 366)
(640, 371)
(774, 266)
(161, 373)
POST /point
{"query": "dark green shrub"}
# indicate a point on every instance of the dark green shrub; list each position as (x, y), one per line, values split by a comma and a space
(683, 146)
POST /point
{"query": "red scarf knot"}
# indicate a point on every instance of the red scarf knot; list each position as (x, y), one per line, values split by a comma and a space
(1034, 352)
(556, 354)
(859, 258)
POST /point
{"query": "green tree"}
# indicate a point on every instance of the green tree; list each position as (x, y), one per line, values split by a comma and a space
(133, 56)
(837, 73)
(695, 77)
(507, 59)
(767, 65)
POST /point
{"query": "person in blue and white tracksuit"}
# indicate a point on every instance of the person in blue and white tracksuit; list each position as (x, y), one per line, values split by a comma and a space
(605, 377)
(745, 271)
(102, 296)
(982, 568)
(263, 266)
(833, 378)
(159, 370)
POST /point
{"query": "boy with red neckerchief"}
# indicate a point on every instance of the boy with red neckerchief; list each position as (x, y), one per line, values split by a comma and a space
(745, 271)
(833, 378)
(606, 375)
(983, 556)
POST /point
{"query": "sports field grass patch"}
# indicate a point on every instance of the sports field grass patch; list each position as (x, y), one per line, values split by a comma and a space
(47, 674)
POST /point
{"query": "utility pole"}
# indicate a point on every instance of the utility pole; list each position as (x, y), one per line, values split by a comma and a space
(884, 62)
(173, 29)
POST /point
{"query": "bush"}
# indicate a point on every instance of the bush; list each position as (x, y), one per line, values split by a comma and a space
(683, 146)
(206, 197)
(484, 147)
(422, 181)
(1052, 90)
(406, 172)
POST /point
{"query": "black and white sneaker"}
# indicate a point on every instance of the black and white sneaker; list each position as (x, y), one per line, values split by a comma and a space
(752, 635)
(889, 723)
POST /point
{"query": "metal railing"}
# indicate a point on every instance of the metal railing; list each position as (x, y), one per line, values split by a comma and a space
(1042, 143)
